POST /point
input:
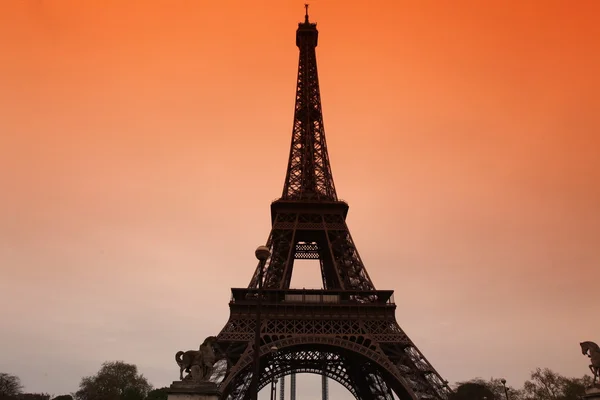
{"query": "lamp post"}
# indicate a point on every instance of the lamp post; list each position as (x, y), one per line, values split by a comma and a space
(262, 253)
(505, 388)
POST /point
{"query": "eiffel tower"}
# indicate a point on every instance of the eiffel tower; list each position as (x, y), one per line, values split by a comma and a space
(346, 331)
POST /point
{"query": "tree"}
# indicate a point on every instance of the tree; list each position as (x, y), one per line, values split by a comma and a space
(33, 396)
(575, 388)
(115, 381)
(546, 384)
(10, 385)
(472, 391)
(495, 386)
(158, 394)
(63, 397)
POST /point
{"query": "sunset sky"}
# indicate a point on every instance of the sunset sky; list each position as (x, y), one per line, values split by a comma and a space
(141, 143)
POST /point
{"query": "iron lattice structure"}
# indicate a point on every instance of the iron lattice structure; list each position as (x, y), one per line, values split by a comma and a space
(347, 331)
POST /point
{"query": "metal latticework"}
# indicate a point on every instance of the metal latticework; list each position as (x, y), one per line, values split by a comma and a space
(309, 173)
(346, 331)
(309, 222)
(328, 332)
(313, 233)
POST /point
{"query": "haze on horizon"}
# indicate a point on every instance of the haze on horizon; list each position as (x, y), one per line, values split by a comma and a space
(141, 144)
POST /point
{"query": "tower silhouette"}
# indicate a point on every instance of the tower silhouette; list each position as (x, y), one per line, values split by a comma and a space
(346, 331)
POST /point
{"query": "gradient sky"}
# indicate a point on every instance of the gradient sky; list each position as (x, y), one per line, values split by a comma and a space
(141, 143)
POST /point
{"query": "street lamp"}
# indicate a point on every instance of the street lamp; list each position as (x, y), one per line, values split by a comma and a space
(505, 388)
(262, 253)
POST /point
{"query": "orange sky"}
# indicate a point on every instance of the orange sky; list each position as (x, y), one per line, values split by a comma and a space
(141, 143)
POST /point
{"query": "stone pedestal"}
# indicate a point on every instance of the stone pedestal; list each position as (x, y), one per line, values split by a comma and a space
(592, 393)
(180, 390)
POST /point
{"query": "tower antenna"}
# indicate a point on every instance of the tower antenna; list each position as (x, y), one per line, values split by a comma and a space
(306, 15)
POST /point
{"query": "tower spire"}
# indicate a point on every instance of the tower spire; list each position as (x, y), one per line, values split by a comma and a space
(308, 176)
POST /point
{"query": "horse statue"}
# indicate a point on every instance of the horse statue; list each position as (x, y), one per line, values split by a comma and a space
(592, 350)
(198, 364)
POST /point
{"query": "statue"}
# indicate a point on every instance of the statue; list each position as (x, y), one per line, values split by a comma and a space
(592, 350)
(198, 363)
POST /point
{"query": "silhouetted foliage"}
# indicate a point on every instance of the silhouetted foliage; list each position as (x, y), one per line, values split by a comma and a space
(472, 391)
(33, 396)
(158, 394)
(10, 385)
(546, 384)
(63, 397)
(115, 381)
(495, 386)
